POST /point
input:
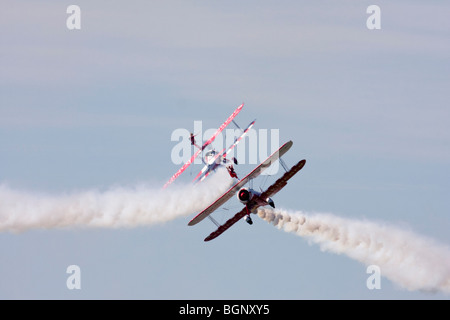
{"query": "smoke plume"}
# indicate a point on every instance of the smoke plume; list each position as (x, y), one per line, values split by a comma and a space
(410, 260)
(113, 208)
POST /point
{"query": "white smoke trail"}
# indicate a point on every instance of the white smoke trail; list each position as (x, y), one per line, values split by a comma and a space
(114, 208)
(410, 260)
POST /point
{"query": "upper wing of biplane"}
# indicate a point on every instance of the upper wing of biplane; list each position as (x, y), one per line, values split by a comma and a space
(274, 188)
(189, 162)
(224, 154)
(232, 191)
(180, 171)
(244, 133)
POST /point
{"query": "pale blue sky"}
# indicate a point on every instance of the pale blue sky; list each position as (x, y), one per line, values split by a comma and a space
(96, 107)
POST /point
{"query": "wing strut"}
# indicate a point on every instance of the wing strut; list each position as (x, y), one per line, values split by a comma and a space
(214, 221)
(237, 125)
(283, 164)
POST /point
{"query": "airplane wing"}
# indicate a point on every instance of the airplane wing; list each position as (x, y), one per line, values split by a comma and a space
(238, 216)
(281, 182)
(244, 133)
(224, 154)
(227, 122)
(274, 188)
(232, 191)
(180, 171)
(189, 162)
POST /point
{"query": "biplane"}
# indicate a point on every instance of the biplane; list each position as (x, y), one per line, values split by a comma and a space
(252, 199)
(213, 158)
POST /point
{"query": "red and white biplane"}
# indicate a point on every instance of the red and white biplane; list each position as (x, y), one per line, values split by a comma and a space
(213, 159)
(250, 198)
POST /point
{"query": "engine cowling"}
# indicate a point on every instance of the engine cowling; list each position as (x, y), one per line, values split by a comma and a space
(245, 195)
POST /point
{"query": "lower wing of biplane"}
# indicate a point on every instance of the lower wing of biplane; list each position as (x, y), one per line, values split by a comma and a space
(251, 198)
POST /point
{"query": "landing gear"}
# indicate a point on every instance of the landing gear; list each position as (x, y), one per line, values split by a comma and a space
(248, 220)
